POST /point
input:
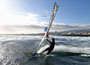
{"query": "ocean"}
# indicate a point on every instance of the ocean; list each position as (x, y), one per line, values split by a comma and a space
(67, 51)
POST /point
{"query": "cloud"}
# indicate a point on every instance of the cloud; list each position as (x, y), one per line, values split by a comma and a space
(85, 25)
(18, 29)
(27, 29)
(12, 19)
(65, 27)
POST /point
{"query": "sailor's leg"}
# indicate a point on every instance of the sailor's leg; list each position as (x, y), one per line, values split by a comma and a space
(45, 50)
(49, 51)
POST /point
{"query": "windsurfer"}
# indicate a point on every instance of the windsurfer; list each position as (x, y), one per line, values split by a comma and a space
(51, 47)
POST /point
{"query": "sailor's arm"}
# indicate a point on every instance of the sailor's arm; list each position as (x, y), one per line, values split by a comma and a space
(49, 41)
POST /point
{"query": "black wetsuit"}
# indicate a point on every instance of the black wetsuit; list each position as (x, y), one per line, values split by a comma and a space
(51, 47)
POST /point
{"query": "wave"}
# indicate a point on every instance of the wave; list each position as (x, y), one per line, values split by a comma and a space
(63, 48)
(71, 49)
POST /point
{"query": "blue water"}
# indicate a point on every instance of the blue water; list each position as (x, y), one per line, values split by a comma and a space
(67, 51)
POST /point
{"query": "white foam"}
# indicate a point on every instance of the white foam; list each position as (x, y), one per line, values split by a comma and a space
(85, 55)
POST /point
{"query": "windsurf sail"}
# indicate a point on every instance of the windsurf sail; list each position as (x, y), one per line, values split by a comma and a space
(55, 8)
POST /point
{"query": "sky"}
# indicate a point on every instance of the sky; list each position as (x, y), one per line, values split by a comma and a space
(27, 16)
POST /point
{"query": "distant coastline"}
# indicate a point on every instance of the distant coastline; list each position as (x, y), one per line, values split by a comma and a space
(85, 34)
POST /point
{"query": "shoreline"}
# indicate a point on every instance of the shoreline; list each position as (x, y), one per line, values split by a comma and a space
(50, 34)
